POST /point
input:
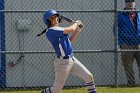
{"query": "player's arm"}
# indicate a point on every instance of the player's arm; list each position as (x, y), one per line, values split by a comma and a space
(75, 35)
(71, 28)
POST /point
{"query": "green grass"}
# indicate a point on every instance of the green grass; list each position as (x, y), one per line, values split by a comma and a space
(84, 90)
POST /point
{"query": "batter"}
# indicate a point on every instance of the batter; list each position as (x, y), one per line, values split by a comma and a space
(65, 62)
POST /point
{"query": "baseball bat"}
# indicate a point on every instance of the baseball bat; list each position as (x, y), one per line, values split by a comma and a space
(69, 20)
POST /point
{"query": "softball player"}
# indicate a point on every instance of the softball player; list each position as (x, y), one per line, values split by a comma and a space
(65, 62)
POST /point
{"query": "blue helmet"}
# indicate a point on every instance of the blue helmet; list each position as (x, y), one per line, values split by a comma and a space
(48, 14)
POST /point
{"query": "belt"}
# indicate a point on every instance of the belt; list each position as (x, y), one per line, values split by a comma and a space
(65, 57)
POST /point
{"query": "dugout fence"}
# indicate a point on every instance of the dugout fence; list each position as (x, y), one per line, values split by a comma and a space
(27, 60)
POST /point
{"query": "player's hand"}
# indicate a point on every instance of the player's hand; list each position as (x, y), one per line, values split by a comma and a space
(80, 24)
(79, 28)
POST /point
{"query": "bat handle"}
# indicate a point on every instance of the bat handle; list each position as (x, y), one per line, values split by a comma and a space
(81, 25)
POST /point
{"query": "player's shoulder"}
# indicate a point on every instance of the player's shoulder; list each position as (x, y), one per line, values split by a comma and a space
(57, 28)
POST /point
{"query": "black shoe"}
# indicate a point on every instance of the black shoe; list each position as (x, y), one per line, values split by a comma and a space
(44, 91)
(131, 84)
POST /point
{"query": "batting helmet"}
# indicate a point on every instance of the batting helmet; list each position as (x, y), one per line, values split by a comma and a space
(48, 14)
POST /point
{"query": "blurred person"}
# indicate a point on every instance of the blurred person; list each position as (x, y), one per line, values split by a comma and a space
(129, 39)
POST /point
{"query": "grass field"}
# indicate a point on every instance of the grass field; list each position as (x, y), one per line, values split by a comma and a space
(84, 90)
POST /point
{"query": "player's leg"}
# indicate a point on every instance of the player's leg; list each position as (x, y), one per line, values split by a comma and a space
(138, 60)
(80, 70)
(62, 69)
(127, 60)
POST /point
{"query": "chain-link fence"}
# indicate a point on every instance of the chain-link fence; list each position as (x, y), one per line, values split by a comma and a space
(27, 60)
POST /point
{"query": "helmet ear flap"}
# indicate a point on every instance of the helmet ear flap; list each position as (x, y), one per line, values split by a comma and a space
(48, 23)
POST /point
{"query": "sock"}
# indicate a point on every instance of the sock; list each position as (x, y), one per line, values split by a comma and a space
(91, 87)
(46, 90)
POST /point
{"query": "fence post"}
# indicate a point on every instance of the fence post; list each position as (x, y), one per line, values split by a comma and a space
(2, 44)
(115, 44)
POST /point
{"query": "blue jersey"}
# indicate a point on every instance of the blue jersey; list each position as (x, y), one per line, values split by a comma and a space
(59, 41)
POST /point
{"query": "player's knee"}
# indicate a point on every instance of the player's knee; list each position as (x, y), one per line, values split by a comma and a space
(89, 78)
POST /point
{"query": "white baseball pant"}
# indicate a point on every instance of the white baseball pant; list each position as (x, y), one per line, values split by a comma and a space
(65, 66)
